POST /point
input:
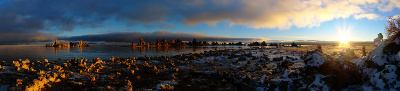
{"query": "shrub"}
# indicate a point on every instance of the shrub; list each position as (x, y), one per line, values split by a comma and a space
(393, 29)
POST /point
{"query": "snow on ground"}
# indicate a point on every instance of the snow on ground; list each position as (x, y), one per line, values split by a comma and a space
(379, 79)
(360, 61)
(285, 74)
(316, 60)
(385, 79)
(318, 84)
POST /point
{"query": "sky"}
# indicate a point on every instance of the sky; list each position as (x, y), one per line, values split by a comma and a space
(205, 20)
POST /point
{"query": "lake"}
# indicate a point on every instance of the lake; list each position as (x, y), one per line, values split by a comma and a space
(104, 51)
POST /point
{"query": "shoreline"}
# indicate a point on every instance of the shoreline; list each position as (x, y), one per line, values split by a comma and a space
(172, 67)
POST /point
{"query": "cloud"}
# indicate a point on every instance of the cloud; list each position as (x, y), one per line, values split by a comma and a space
(396, 16)
(36, 20)
(135, 36)
(388, 5)
(21, 28)
(38, 17)
(24, 37)
(288, 37)
(284, 14)
(257, 13)
(368, 16)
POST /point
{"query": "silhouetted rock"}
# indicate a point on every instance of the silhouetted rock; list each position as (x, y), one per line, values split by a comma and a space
(133, 44)
(142, 43)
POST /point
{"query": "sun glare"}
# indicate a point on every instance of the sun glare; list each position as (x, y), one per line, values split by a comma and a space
(344, 32)
(344, 41)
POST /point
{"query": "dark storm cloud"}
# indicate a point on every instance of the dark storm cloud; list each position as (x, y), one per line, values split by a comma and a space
(135, 36)
(69, 13)
(29, 20)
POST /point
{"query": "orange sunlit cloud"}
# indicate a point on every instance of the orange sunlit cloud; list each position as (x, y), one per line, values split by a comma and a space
(286, 13)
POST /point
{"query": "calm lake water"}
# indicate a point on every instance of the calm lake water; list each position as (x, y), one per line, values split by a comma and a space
(104, 51)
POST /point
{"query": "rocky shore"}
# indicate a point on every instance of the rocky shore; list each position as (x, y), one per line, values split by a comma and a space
(239, 69)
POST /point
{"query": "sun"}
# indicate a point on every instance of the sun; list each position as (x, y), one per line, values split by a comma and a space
(344, 41)
(343, 35)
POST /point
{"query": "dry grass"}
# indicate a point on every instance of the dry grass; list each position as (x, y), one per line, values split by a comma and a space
(332, 48)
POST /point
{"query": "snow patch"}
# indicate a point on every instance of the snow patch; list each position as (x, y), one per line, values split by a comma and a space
(385, 78)
(318, 83)
(317, 60)
(377, 55)
(360, 61)
(286, 74)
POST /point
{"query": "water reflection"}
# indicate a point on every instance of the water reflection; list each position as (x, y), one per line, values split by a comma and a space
(142, 49)
(15, 52)
(68, 49)
(39, 52)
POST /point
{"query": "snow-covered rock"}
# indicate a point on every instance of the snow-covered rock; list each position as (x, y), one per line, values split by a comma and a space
(315, 59)
(377, 55)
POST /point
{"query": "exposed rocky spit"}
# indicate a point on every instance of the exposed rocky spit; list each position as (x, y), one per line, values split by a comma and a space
(240, 69)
